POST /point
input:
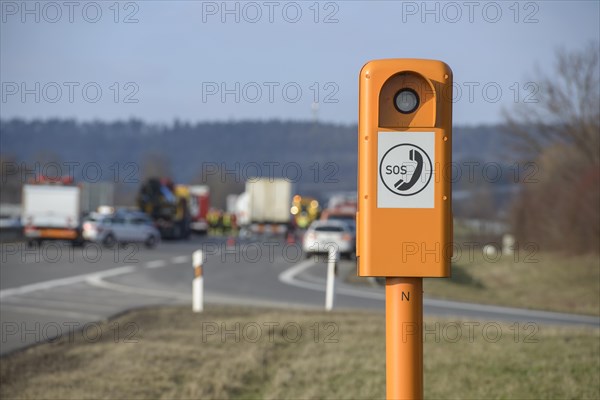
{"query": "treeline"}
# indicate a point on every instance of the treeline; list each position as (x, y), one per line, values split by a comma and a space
(550, 196)
(318, 157)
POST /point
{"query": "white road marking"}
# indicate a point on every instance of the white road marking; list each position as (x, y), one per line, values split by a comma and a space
(181, 259)
(65, 281)
(156, 264)
(99, 282)
(522, 312)
(289, 277)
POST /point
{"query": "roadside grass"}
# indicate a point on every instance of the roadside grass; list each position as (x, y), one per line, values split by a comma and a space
(543, 281)
(249, 353)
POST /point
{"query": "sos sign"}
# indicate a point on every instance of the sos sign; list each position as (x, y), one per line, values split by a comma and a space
(404, 223)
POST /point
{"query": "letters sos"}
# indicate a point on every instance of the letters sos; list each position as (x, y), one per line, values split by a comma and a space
(397, 169)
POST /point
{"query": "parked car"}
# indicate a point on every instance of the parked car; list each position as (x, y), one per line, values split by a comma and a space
(121, 227)
(329, 215)
(321, 235)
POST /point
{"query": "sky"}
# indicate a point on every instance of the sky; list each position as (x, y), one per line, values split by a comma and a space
(214, 61)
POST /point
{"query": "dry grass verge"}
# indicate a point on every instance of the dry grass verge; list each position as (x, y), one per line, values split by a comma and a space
(247, 353)
(539, 281)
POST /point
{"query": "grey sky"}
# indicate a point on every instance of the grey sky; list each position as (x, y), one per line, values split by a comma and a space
(179, 53)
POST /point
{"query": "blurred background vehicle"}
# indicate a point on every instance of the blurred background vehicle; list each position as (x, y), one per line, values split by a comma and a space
(341, 207)
(120, 227)
(95, 195)
(265, 206)
(199, 204)
(168, 206)
(51, 210)
(321, 235)
(10, 216)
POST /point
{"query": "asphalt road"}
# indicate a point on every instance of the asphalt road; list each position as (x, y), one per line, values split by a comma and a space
(55, 289)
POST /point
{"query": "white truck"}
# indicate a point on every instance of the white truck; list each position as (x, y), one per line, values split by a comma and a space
(51, 212)
(265, 206)
(95, 195)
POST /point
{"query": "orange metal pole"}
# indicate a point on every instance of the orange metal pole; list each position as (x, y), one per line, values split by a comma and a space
(404, 338)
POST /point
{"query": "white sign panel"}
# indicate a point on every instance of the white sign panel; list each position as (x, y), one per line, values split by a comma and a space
(406, 174)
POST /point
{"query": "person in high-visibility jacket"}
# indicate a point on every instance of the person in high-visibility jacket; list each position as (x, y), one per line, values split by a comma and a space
(219, 222)
(234, 226)
(226, 222)
(212, 217)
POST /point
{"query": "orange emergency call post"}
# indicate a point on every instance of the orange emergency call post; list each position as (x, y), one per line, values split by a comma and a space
(404, 218)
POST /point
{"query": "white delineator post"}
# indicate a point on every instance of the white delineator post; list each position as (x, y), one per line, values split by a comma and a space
(329, 293)
(198, 282)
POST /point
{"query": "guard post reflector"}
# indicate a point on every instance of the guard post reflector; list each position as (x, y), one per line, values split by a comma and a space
(197, 260)
(404, 218)
(198, 281)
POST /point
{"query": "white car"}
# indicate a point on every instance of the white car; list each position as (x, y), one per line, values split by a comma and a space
(321, 235)
(122, 227)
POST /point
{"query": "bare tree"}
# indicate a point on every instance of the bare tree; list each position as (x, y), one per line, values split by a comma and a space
(561, 132)
(567, 107)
